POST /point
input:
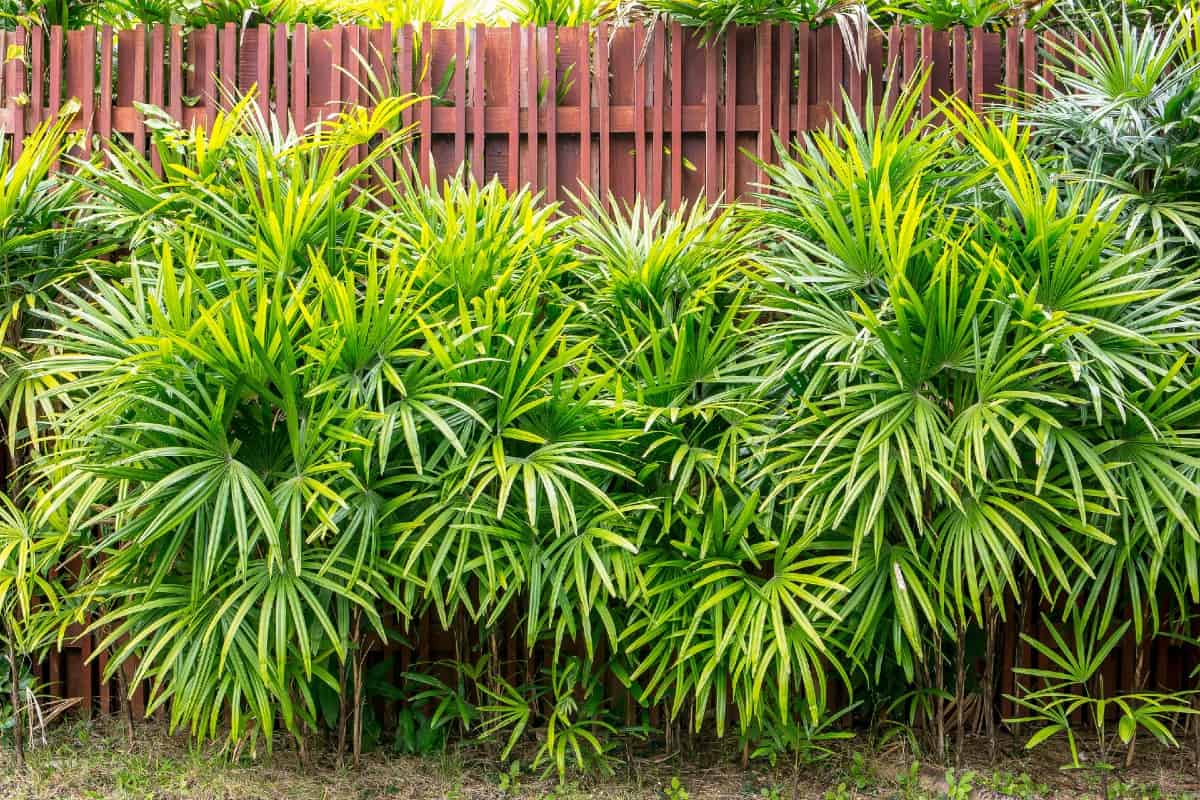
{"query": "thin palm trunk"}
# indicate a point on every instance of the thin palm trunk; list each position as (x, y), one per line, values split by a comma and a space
(939, 705)
(14, 675)
(343, 715)
(987, 690)
(360, 660)
(126, 708)
(1139, 684)
(960, 686)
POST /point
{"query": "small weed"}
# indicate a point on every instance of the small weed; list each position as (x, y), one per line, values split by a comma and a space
(958, 787)
(675, 791)
(510, 780)
(842, 792)
(1018, 787)
(910, 782)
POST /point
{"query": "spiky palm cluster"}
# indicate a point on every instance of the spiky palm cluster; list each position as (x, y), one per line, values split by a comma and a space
(729, 456)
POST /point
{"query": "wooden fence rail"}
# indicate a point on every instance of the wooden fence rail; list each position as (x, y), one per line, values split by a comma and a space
(649, 111)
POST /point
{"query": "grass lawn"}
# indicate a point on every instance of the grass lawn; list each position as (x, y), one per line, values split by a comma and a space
(93, 761)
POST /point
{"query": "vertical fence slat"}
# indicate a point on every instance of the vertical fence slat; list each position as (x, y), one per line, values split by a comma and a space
(623, 61)
(765, 59)
(909, 34)
(37, 78)
(56, 68)
(926, 70)
(404, 72)
(1029, 64)
(676, 115)
(281, 78)
(229, 64)
(584, 79)
(514, 107)
(104, 119)
(15, 81)
(1012, 62)
(894, 66)
(126, 45)
(425, 157)
(300, 77)
(208, 78)
(658, 108)
(262, 70)
(157, 91)
(711, 171)
(602, 97)
(639, 110)
(551, 59)
(176, 74)
(875, 41)
(803, 53)
(977, 63)
(478, 104)
(1050, 59)
(783, 99)
(730, 116)
(959, 56)
(855, 81)
(531, 101)
(345, 73)
(81, 79)
(4, 93)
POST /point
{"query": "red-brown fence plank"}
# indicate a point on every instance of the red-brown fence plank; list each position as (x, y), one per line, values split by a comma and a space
(765, 60)
(262, 70)
(783, 87)
(855, 80)
(677, 49)
(711, 185)
(37, 78)
(584, 81)
(729, 136)
(157, 91)
(229, 64)
(927, 71)
(1029, 64)
(529, 54)
(56, 68)
(281, 79)
(478, 103)
(658, 68)
(404, 70)
(803, 56)
(14, 81)
(81, 79)
(550, 59)
(639, 109)
(602, 98)
(961, 67)
(1012, 62)
(175, 76)
(4, 92)
(514, 107)
(623, 61)
(299, 98)
(425, 112)
(104, 117)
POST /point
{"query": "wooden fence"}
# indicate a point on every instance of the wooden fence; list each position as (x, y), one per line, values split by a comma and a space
(649, 110)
